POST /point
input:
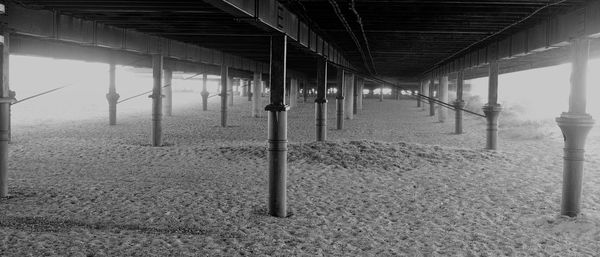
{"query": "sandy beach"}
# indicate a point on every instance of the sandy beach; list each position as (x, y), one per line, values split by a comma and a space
(394, 182)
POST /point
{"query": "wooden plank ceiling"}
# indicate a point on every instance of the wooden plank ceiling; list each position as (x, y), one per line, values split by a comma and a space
(401, 38)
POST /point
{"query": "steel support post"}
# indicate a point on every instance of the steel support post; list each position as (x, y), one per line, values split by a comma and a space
(5, 101)
(112, 97)
(244, 90)
(459, 103)
(381, 93)
(443, 92)
(361, 87)
(230, 90)
(321, 100)
(575, 125)
(157, 65)
(492, 109)
(420, 92)
(349, 98)
(168, 85)
(249, 88)
(257, 95)
(204, 93)
(278, 128)
(12, 95)
(339, 99)
(224, 81)
(431, 102)
(425, 92)
(355, 95)
(293, 92)
(305, 90)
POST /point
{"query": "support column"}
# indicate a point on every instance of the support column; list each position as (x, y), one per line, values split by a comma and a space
(321, 101)
(349, 99)
(112, 97)
(278, 129)
(355, 95)
(204, 93)
(249, 88)
(431, 102)
(157, 64)
(443, 93)
(361, 87)
(5, 102)
(420, 92)
(244, 89)
(575, 125)
(168, 85)
(257, 95)
(381, 93)
(459, 103)
(230, 90)
(492, 109)
(339, 99)
(12, 95)
(305, 90)
(224, 81)
(426, 87)
(293, 92)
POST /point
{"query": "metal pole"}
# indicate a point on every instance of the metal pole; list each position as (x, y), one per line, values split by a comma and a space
(168, 82)
(157, 64)
(459, 103)
(443, 92)
(431, 102)
(224, 80)
(293, 92)
(420, 92)
(257, 95)
(230, 82)
(277, 127)
(243, 89)
(361, 86)
(204, 92)
(112, 97)
(249, 88)
(575, 126)
(425, 92)
(339, 99)
(321, 100)
(5, 102)
(381, 93)
(349, 90)
(305, 90)
(355, 94)
(492, 109)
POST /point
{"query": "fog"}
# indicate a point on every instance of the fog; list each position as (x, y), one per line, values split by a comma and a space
(533, 94)
(87, 85)
(540, 94)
